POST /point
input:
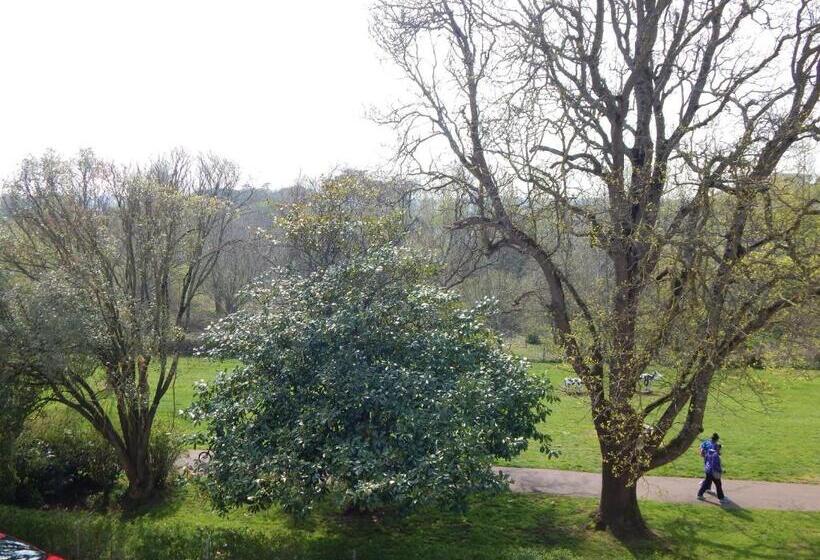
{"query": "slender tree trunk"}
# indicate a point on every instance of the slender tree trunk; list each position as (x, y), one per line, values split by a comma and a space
(618, 510)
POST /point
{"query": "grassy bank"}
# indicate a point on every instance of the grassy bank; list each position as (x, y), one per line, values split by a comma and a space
(513, 527)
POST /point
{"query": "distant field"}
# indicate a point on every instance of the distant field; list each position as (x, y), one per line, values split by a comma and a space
(776, 438)
(180, 396)
(191, 370)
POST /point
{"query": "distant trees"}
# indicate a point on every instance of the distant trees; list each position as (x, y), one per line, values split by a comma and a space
(338, 218)
(330, 219)
(363, 383)
(648, 133)
(250, 251)
(112, 260)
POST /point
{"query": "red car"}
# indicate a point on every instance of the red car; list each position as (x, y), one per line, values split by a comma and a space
(13, 549)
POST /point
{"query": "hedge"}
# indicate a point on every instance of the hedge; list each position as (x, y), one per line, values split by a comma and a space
(83, 536)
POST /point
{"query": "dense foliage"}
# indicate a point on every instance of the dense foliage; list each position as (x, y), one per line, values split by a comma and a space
(61, 461)
(17, 398)
(113, 259)
(365, 384)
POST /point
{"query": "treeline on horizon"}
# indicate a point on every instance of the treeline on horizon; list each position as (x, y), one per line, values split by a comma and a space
(275, 227)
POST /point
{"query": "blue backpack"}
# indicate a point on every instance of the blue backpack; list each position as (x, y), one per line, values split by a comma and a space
(712, 465)
(705, 447)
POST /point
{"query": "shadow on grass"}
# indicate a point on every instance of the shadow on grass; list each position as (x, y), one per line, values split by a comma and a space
(500, 527)
(166, 504)
(727, 531)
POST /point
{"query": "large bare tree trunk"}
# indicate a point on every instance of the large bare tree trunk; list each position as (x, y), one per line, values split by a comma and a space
(141, 480)
(642, 127)
(618, 510)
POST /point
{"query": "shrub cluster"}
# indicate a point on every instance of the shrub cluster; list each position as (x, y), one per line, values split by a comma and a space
(84, 536)
(63, 463)
(165, 448)
(533, 338)
(367, 385)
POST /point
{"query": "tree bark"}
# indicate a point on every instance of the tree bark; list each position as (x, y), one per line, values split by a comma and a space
(618, 510)
(141, 482)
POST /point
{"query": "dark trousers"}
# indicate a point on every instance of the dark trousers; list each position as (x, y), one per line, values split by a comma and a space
(707, 483)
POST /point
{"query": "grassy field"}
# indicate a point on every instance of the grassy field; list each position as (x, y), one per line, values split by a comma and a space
(191, 370)
(773, 439)
(770, 436)
(507, 526)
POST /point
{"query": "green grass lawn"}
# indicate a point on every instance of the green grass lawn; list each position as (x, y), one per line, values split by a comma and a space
(768, 420)
(191, 370)
(771, 436)
(776, 438)
(514, 527)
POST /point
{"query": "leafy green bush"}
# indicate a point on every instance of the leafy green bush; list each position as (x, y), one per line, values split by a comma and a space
(59, 461)
(366, 384)
(18, 399)
(165, 448)
(16, 403)
(533, 338)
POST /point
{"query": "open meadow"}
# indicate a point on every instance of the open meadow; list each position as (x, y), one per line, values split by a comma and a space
(767, 421)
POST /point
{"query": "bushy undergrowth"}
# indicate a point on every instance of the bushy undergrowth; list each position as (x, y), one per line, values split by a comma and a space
(82, 536)
(165, 449)
(60, 461)
(506, 527)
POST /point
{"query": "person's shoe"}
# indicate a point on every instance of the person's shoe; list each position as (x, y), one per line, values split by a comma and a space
(701, 498)
(725, 501)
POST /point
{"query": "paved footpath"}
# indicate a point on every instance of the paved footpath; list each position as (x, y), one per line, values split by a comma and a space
(751, 494)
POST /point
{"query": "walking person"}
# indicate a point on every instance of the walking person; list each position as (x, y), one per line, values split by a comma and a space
(714, 473)
(705, 446)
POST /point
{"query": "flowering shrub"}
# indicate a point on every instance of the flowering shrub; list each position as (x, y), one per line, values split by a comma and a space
(365, 384)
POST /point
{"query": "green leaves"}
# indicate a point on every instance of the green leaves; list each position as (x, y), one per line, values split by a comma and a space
(363, 384)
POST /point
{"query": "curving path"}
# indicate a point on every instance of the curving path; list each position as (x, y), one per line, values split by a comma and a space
(751, 494)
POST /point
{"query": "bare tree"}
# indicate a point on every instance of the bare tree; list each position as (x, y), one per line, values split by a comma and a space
(249, 253)
(651, 131)
(115, 259)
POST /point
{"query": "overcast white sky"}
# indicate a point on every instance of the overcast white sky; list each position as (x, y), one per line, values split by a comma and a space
(280, 87)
